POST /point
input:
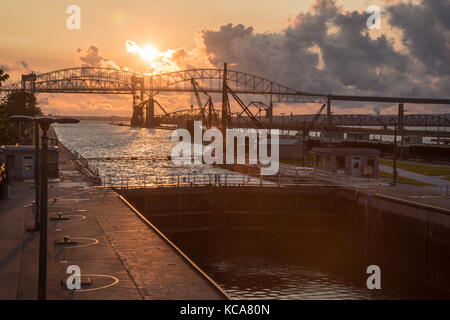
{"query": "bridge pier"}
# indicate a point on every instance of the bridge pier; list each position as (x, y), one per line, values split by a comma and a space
(269, 114)
(150, 113)
(136, 118)
(137, 90)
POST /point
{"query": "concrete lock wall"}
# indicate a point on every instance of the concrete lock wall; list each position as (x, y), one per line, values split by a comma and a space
(339, 225)
(409, 238)
(268, 219)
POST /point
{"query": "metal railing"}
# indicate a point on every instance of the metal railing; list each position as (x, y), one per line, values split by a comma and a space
(287, 176)
(87, 169)
(206, 179)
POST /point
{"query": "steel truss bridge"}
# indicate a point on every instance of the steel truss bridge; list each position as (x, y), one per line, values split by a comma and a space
(229, 83)
(364, 120)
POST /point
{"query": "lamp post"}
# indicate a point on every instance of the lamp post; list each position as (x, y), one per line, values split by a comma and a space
(44, 123)
(37, 215)
(394, 165)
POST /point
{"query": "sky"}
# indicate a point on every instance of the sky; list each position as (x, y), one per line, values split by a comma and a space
(310, 45)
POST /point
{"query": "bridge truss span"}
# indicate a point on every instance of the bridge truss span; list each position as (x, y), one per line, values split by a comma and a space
(115, 81)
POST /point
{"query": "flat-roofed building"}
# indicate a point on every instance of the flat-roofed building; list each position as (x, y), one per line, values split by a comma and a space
(356, 162)
(19, 161)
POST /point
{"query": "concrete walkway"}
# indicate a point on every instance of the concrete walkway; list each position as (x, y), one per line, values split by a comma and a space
(13, 239)
(121, 256)
(416, 176)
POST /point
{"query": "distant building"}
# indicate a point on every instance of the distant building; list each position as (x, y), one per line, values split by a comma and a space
(356, 162)
(413, 139)
(358, 136)
(19, 161)
(289, 148)
(331, 138)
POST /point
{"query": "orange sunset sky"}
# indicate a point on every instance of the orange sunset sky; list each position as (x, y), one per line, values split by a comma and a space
(311, 45)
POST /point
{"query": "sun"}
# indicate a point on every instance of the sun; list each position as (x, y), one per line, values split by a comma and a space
(149, 53)
(156, 60)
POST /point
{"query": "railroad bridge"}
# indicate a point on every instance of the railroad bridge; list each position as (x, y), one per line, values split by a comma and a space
(230, 84)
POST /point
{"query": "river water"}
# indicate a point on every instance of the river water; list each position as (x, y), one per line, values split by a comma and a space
(111, 149)
(125, 154)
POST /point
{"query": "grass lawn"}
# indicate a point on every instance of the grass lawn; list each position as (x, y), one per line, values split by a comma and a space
(419, 168)
(309, 161)
(400, 179)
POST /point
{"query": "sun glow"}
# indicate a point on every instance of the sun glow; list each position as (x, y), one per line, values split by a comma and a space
(157, 62)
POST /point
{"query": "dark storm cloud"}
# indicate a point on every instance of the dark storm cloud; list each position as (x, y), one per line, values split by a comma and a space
(426, 32)
(328, 49)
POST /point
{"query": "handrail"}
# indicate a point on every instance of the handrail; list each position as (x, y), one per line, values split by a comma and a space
(83, 165)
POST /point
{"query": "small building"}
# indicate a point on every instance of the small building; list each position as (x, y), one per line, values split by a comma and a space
(356, 162)
(19, 161)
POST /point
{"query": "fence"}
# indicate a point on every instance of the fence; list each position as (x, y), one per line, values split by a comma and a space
(207, 179)
(283, 179)
(90, 171)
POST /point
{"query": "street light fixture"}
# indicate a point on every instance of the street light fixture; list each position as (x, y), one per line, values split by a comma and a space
(44, 122)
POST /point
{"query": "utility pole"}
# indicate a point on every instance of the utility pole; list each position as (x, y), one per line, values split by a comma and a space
(394, 165)
(224, 100)
(36, 178)
(329, 121)
(303, 144)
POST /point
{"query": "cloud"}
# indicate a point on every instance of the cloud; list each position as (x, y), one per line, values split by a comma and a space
(24, 64)
(152, 60)
(85, 104)
(330, 50)
(15, 69)
(426, 32)
(91, 57)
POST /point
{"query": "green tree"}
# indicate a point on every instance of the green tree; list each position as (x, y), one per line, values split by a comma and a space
(4, 123)
(3, 77)
(19, 102)
(8, 134)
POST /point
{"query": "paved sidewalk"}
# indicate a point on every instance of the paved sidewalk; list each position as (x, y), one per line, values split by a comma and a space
(416, 176)
(14, 219)
(122, 256)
